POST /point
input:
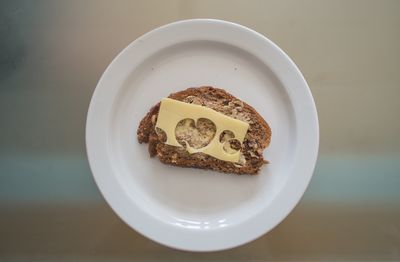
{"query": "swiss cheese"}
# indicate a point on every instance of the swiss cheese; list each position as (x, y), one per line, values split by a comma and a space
(172, 111)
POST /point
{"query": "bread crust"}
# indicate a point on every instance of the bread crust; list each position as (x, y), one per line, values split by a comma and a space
(257, 138)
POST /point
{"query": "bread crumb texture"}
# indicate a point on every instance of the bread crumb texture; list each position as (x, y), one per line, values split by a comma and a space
(201, 133)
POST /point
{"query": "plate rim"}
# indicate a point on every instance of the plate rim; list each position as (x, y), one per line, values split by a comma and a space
(91, 139)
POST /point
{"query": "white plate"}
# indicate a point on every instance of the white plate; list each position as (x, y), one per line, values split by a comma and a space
(194, 209)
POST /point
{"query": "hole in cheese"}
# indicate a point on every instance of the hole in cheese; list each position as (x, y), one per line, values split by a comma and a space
(161, 134)
(196, 136)
(232, 146)
(226, 135)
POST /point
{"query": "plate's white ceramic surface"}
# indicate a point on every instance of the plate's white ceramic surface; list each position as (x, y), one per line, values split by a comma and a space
(194, 209)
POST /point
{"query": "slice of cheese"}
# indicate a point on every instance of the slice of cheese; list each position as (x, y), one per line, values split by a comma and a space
(173, 111)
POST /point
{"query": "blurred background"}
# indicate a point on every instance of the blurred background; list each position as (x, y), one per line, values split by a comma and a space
(52, 53)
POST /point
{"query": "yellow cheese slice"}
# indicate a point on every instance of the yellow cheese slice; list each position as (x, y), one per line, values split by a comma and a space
(173, 111)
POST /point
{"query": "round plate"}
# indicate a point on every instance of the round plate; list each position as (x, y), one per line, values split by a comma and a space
(193, 209)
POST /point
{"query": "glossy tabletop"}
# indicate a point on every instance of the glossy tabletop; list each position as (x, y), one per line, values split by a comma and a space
(52, 53)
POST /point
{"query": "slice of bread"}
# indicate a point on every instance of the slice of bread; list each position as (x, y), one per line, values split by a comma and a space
(257, 138)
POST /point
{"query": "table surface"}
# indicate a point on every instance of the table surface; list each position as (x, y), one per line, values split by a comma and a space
(52, 54)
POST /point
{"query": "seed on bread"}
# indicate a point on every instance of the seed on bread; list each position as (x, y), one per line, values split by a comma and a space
(257, 138)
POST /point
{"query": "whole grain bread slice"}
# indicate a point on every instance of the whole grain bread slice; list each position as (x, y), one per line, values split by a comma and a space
(257, 138)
